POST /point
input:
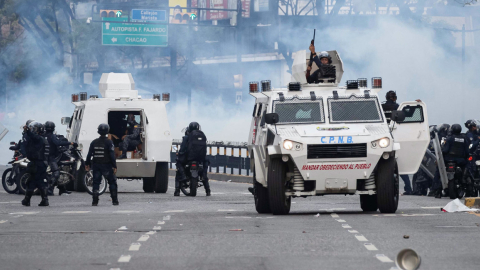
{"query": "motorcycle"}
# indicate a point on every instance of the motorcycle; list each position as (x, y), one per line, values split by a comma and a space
(194, 172)
(456, 188)
(9, 175)
(472, 178)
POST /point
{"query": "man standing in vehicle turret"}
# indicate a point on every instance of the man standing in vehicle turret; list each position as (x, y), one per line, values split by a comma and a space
(53, 156)
(323, 60)
(104, 164)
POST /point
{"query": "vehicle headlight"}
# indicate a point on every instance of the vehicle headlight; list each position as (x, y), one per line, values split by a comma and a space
(288, 144)
(384, 142)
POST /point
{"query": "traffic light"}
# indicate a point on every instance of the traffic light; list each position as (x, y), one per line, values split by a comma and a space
(110, 13)
(184, 18)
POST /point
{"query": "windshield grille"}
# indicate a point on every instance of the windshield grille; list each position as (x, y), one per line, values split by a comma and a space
(318, 151)
(299, 110)
(354, 109)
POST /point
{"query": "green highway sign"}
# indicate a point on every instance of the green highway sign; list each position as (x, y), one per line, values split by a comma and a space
(129, 34)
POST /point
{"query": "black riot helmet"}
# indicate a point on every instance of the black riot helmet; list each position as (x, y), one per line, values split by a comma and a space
(49, 126)
(29, 121)
(456, 129)
(35, 127)
(325, 54)
(103, 129)
(193, 126)
(470, 124)
(391, 95)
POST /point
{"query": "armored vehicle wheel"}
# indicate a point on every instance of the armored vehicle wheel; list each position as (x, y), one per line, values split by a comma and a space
(279, 202)
(368, 203)
(149, 184)
(161, 177)
(386, 180)
(262, 205)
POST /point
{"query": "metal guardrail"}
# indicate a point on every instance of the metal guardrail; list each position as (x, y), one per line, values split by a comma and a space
(219, 157)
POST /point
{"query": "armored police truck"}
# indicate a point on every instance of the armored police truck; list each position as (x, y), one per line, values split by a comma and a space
(315, 139)
(118, 103)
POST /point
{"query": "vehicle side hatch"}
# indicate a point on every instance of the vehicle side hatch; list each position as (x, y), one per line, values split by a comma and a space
(413, 136)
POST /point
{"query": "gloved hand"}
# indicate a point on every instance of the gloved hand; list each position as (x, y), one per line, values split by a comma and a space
(75, 145)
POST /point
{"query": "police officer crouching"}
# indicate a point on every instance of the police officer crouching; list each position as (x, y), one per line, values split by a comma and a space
(104, 164)
(51, 151)
(37, 167)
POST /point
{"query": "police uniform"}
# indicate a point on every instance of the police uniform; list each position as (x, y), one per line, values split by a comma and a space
(317, 75)
(37, 167)
(51, 151)
(131, 141)
(102, 154)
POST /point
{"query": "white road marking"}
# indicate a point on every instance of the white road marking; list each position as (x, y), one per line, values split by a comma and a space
(340, 220)
(123, 228)
(143, 238)
(161, 223)
(124, 258)
(151, 232)
(76, 212)
(383, 258)
(238, 217)
(226, 210)
(389, 215)
(134, 247)
(166, 218)
(265, 217)
(221, 193)
(24, 213)
(334, 215)
(352, 231)
(157, 228)
(114, 268)
(370, 246)
(432, 207)
(361, 238)
(126, 211)
(18, 216)
(174, 211)
(346, 226)
(3, 221)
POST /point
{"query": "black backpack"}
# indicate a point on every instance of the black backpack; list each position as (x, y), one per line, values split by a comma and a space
(196, 146)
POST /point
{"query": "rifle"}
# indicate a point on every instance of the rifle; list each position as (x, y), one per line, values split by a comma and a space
(311, 55)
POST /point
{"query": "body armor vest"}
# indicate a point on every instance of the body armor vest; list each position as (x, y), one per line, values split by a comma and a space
(100, 152)
(458, 147)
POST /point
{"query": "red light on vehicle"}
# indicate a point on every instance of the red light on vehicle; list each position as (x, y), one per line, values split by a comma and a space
(451, 167)
(376, 82)
(16, 158)
(74, 97)
(470, 158)
(166, 96)
(253, 87)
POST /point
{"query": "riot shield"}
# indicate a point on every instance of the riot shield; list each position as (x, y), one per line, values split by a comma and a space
(429, 164)
(440, 161)
(3, 131)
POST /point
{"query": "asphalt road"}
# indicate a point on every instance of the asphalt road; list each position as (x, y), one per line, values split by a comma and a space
(160, 231)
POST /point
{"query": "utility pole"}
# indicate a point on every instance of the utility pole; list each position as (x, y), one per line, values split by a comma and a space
(238, 39)
(463, 72)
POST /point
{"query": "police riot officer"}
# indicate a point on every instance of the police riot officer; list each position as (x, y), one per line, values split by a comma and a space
(131, 123)
(180, 173)
(23, 143)
(37, 167)
(455, 150)
(472, 132)
(323, 59)
(131, 141)
(194, 148)
(102, 154)
(51, 149)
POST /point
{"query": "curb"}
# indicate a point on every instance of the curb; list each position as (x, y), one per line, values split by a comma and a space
(473, 202)
(223, 177)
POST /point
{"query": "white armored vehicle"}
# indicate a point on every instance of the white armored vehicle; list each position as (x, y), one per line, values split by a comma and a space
(119, 100)
(321, 138)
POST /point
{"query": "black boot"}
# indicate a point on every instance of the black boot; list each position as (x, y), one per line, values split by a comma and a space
(208, 192)
(28, 196)
(439, 194)
(95, 198)
(251, 190)
(44, 194)
(177, 192)
(62, 189)
(50, 190)
(113, 194)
